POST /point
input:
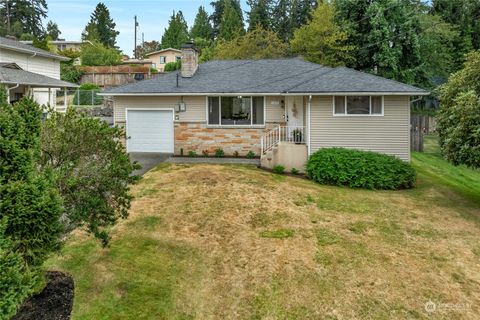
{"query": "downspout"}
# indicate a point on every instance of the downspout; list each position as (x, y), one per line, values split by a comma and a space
(309, 125)
(9, 89)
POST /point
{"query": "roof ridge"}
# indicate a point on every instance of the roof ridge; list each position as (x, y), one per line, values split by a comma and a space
(383, 78)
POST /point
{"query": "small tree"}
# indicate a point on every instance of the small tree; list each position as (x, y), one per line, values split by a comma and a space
(256, 44)
(101, 27)
(459, 116)
(92, 168)
(176, 33)
(97, 55)
(321, 40)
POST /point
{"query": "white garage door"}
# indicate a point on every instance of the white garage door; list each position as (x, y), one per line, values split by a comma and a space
(150, 131)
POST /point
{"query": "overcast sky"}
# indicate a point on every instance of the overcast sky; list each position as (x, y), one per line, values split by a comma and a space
(72, 16)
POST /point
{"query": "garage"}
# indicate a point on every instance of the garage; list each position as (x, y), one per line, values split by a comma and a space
(150, 131)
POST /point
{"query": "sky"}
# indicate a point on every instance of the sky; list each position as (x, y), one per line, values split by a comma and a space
(153, 15)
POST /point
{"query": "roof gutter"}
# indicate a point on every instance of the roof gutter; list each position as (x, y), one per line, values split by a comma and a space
(154, 94)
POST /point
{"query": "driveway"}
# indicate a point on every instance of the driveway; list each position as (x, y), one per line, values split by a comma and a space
(148, 160)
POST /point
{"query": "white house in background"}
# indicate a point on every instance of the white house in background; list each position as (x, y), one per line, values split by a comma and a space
(28, 70)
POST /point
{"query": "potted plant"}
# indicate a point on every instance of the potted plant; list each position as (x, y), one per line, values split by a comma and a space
(297, 135)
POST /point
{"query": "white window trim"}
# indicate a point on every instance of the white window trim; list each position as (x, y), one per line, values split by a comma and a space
(358, 115)
(220, 125)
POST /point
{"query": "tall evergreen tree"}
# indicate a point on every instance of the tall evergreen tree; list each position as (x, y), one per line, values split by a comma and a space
(27, 13)
(385, 34)
(302, 12)
(101, 27)
(53, 31)
(465, 16)
(232, 23)
(282, 19)
(217, 15)
(202, 27)
(176, 33)
(259, 14)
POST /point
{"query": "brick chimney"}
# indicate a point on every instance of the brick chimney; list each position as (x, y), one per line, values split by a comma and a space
(189, 59)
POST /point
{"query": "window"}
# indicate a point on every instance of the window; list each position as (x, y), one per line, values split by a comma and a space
(236, 111)
(163, 59)
(358, 105)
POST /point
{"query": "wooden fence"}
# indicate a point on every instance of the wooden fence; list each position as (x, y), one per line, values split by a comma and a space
(419, 126)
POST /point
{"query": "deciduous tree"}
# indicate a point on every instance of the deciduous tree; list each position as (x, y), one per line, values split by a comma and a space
(322, 41)
(459, 116)
(256, 44)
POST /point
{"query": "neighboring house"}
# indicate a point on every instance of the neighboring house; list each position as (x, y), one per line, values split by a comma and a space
(61, 45)
(28, 70)
(281, 109)
(162, 57)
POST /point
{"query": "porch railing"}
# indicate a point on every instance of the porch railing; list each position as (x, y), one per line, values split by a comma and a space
(292, 134)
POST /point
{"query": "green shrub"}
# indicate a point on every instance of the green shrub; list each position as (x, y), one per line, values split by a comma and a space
(250, 155)
(192, 154)
(295, 171)
(279, 169)
(360, 169)
(219, 153)
(16, 280)
(86, 95)
(29, 199)
(98, 55)
(172, 66)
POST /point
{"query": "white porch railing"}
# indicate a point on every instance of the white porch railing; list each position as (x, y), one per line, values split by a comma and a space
(293, 134)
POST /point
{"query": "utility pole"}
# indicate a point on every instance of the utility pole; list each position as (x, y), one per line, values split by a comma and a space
(135, 48)
(143, 45)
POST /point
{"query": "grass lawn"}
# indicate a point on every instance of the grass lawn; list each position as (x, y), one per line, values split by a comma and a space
(235, 242)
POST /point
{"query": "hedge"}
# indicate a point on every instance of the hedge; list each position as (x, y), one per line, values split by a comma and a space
(360, 169)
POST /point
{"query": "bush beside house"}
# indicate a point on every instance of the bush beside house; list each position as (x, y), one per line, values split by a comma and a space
(359, 169)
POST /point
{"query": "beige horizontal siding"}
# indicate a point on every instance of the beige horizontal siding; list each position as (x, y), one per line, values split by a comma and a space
(274, 110)
(196, 106)
(388, 134)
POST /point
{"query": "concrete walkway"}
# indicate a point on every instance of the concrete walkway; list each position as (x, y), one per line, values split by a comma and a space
(255, 162)
(148, 160)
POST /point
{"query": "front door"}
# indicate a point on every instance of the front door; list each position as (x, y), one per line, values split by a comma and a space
(294, 111)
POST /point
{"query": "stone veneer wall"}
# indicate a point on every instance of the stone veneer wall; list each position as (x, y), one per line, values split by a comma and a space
(198, 137)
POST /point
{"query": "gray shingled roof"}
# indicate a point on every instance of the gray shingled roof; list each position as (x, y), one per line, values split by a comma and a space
(18, 46)
(18, 76)
(275, 76)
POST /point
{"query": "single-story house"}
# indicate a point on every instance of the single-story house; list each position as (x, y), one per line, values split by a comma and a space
(281, 109)
(28, 70)
(161, 57)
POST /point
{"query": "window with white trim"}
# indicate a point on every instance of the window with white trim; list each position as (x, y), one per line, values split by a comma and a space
(236, 111)
(358, 105)
(163, 59)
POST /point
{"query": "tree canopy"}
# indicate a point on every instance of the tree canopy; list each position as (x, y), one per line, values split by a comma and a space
(459, 116)
(232, 23)
(321, 40)
(176, 33)
(101, 27)
(23, 17)
(256, 44)
(202, 27)
(53, 32)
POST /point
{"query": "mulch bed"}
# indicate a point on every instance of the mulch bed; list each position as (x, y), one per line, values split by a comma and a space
(55, 302)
